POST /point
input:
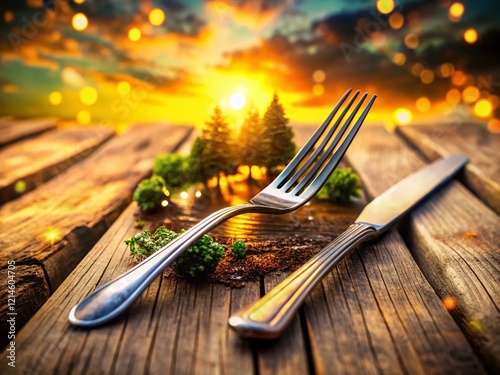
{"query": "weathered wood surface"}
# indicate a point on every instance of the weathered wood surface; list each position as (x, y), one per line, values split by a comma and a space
(14, 130)
(53, 227)
(36, 160)
(482, 174)
(375, 313)
(453, 236)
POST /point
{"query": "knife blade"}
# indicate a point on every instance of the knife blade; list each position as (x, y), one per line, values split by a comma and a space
(268, 317)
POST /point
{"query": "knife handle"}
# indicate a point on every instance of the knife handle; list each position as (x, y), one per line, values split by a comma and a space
(268, 317)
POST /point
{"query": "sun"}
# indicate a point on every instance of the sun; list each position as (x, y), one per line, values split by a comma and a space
(237, 101)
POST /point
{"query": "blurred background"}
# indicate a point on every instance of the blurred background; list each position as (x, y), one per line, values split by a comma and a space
(118, 62)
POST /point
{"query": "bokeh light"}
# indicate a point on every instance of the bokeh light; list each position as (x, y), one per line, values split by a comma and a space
(483, 108)
(399, 58)
(446, 70)
(423, 104)
(164, 203)
(456, 11)
(8, 16)
(318, 89)
(459, 78)
(470, 94)
(470, 36)
(20, 186)
(55, 98)
(134, 34)
(83, 117)
(319, 76)
(396, 21)
(156, 17)
(402, 116)
(417, 69)
(385, 6)
(449, 303)
(494, 125)
(88, 95)
(79, 1)
(427, 76)
(411, 41)
(184, 195)
(453, 96)
(52, 235)
(123, 88)
(80, 22)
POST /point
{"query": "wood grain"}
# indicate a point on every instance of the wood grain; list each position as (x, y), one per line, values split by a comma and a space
(482, 174)
(54, 226)
(12, 130)
(453, 237)
(38, 159)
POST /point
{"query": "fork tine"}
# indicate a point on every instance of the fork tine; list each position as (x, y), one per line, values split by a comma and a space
(304, 167)
(310, 143)
(321, 178)
(328, 152)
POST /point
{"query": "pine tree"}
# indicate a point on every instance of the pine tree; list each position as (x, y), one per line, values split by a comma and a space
(277, 136)
(218, 155)
(251, 149)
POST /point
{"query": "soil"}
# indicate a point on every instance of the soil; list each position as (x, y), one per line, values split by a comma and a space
(282, 244)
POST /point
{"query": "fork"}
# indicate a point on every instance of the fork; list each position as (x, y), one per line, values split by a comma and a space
(301, 179)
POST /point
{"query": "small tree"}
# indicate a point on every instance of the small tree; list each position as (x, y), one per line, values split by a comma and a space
(218, 155)
(251, 147)
(277, 136)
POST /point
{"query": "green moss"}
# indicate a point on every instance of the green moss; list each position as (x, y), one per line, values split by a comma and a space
(342, 184)
(239, 249)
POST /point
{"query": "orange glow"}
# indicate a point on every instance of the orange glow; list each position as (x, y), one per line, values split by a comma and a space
(385, 6)
(470, 36)
(399, 58)
(456, 11)
(417, 69)
(427, 76)
(52, 235)
(453, 96)
(318, 89)
(470, 94)
(494, 125)
(134, 34)
(449, 303)
(396, 21)
(83, 117)
(459, 78)
(88, 95)
(483, 108)
(55, 98)
(123, 87)
(446, 70)
(319, 76)
(423, 104)
(80, 22)
(237, 101)
(8, 16)
(156, 17)
(79, 1)
(411, 41)
(402, 116)
(495, 101)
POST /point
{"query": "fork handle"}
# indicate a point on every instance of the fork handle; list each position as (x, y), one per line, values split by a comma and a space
(268, 317)
(112, 298)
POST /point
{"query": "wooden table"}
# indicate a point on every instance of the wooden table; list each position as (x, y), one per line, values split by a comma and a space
(379, 311)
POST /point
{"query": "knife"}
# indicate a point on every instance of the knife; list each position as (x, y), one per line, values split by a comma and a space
(268, 317)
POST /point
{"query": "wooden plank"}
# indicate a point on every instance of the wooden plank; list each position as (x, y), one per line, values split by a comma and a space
(287, 354)
(482, 174)
(15, 130)
(453, 237)
(56, 225)
(36, 160)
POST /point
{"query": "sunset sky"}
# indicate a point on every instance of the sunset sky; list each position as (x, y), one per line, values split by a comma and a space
(126, 61)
